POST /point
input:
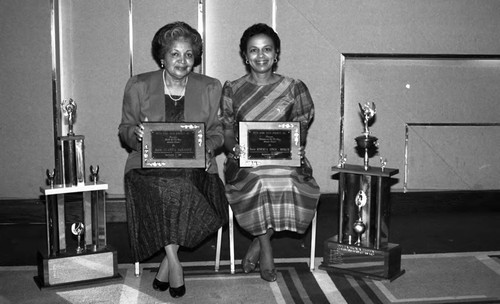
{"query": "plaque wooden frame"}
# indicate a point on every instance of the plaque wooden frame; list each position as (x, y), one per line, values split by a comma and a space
(148, 155)
(247, 161)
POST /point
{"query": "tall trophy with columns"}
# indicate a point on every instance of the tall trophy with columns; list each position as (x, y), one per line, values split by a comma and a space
(91, 259)
(362, 246)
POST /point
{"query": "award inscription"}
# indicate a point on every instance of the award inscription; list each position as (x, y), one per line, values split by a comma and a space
(269, 143)
(173, 145)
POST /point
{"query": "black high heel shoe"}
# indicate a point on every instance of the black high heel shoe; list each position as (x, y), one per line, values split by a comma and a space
(247, 265)
(251, 259)
(159, 285)
(268, 275)
(177, 292)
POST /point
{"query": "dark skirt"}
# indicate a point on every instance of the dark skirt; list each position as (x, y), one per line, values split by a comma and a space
(172, 206)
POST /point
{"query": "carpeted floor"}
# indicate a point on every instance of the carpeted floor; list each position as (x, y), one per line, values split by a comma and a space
(428, 278)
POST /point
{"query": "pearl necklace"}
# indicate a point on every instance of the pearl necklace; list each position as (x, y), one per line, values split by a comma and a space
(168, 91)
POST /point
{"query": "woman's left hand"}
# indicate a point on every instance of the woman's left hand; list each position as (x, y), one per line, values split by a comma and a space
(208, 157)
(302, 153)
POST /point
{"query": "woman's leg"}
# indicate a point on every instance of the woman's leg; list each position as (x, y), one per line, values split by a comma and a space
(267, 270)
(175, 275)
(161, 279)
(162, 274)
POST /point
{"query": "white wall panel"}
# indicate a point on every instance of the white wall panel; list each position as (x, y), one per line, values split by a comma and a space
(95, 62)
(26, 97)
(226, 22)
(307, 55)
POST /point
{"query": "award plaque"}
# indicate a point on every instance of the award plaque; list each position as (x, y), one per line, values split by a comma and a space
(173, 145)
(269, 143)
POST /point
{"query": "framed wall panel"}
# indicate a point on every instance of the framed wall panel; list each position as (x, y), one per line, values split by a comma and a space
(413, 90)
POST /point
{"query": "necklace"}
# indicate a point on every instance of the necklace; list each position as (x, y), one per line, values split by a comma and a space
(168, 91)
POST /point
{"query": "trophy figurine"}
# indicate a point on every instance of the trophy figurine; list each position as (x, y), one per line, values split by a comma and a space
(383, 163)
(77, 229)
(359, 226)
(342, 160)
(68, 107)
(95, 173)
(366, 142)
(50, 177)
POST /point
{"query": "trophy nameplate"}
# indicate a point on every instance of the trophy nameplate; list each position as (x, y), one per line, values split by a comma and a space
(269, 143)
(68, 268)
(173, 145)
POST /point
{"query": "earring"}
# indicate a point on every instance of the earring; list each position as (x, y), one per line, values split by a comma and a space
(162, 65)
(246, 61)
(275, 60)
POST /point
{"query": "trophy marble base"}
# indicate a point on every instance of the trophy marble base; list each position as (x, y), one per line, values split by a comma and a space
(68, 269)
(380, 264)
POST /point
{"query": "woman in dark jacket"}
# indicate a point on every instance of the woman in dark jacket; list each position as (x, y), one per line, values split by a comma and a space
(172, 207)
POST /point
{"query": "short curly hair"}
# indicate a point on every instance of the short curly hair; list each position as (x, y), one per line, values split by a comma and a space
(256, 29)
(165, 36)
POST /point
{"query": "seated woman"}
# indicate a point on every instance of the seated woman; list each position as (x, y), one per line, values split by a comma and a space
(267, 198)
(172, 207)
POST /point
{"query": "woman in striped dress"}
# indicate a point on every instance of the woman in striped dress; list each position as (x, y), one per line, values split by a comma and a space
(270, 198)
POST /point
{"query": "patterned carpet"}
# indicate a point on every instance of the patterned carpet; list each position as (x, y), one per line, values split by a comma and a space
(431, 278)
(428, 278)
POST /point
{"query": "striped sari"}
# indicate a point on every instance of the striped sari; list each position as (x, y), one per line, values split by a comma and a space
(277, 197)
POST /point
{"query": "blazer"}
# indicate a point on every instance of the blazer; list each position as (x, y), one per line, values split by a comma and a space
(144, 97)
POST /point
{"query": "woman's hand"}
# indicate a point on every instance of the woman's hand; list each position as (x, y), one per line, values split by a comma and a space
(208, 158)
(302, 153)
(139, 132)
(236, 151)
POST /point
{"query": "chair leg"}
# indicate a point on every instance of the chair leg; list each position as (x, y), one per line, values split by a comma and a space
(217, 253)
(136, 269)
(313, 242)
(231, 240)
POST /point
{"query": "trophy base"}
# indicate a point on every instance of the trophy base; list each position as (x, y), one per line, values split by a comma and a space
(66, 269)
(380, 264)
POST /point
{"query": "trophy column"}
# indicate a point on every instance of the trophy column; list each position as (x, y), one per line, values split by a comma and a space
(362, 246)
(92, 259)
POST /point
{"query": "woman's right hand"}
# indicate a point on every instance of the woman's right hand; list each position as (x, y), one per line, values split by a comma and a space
(139, 130)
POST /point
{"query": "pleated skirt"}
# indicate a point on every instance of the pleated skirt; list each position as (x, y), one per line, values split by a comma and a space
(277, 197)
(172, 206)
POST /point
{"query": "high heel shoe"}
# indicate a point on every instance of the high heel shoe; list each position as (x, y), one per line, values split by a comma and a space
(268, 275)
(177, 292)
(249, 262)
(247, 265)
(159, 285)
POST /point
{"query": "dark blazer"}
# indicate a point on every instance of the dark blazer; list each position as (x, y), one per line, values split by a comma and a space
(144, 97)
